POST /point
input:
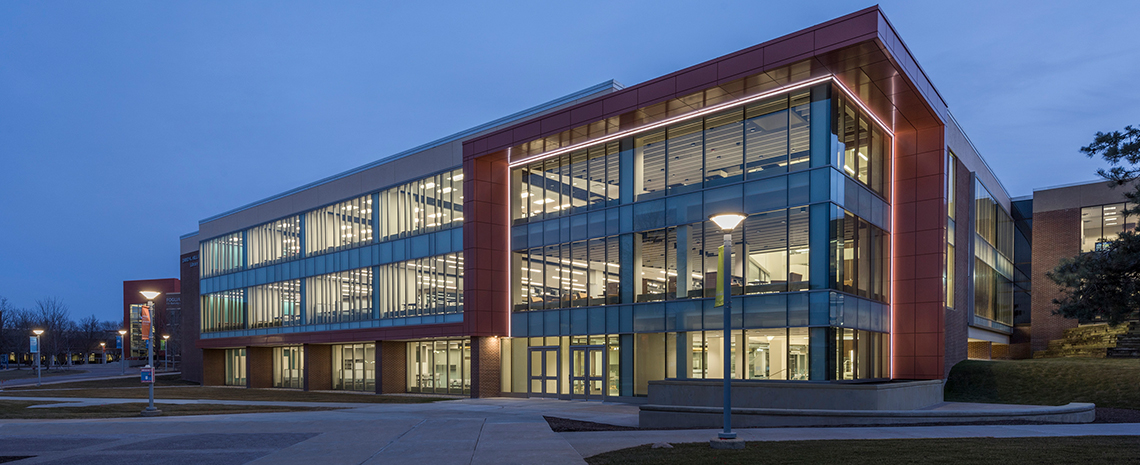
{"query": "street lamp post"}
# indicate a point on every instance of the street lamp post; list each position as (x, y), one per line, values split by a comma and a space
(727, 222)
(122, 351)
(39, 371)
(166, 352)
(103, 349)
(150, 411)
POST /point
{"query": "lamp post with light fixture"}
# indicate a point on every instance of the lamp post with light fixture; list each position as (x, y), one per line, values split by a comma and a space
(150, 411)
(103, 350)
(39, 371)
(166, 352)
(727, 222)
(122, 351)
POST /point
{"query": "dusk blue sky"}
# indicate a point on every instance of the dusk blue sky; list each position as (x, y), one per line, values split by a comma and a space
(124, 123)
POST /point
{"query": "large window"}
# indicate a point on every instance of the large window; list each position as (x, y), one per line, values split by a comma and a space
(343, 225)
(429, 204)
(276, 304)
(222, 255)
(764, 139)
(223, 311)
(235, 367)
(861, 254)
(993, 253)
(441, 367)
(864, 151)
(567, 275)
(424, 286)
(573, 182)
(339, 297)
(1102, 224)
(288, 367)
(275, 242)
(354, 367)
(860, 354)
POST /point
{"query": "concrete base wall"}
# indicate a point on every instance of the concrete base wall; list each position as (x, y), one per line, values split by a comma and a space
(792, 395)
(667, 416)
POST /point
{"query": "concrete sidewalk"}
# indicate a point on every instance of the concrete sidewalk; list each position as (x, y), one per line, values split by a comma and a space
(499, 431)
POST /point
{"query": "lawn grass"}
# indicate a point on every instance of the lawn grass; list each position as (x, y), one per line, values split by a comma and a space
(1113, 383)
(18, 410)
(173, 387)
(7, 375)
(1083, 450)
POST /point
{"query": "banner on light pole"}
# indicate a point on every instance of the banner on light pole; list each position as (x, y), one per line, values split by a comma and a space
(720, 276)
(34, 345)
(144, 319)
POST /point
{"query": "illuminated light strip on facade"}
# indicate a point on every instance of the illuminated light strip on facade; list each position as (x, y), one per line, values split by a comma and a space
(703, 112)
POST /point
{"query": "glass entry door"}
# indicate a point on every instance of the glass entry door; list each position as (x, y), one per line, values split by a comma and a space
(587, 372)
(542, 368)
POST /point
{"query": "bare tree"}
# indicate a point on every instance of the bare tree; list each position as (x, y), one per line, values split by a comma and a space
(21, 321)
(55, 319)
(88, 334)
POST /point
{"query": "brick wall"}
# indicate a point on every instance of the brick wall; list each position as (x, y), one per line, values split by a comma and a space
(192, 357)
(391, 367)
(213, 367)
(957, 327)
(259, 367)
(318, 367)
(1056, 235)
(1000, 351)
(486, 366)
(980, 350)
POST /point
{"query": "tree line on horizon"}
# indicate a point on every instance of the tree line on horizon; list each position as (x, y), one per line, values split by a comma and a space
(63, 337)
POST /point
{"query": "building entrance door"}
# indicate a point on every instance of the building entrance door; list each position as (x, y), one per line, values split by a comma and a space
(542, 370)
(587, 372)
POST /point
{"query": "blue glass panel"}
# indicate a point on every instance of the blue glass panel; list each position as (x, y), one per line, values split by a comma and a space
(682, 209)
(819, 309)
(649, 215)
(625, 317)
(578, 227)
(534, 328)
(596, 323)
(765, 194)
(799, 189)
(551, 322)
(578, 321)
(766, 311)
(519, 237)
(798, 309)
(724, 200)
(649, 318)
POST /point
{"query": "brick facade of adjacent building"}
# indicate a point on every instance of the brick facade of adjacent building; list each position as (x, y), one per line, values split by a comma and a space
(1056, 235)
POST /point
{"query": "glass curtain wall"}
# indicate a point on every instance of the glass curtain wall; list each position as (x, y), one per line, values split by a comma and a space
(425, 286)
(993, 265)
(861, 256)
(222, 255)
(568, 275)
(860, 354)
(223, 311)
(339, 297)
(235, 367)
(573, 182)
(339, 226)
(1104, 223)
(354, 367)
(273, 305)
(429, 204)
(288, 367)
(951, 226)
(274, 242)
(863, 150)
(440, 367)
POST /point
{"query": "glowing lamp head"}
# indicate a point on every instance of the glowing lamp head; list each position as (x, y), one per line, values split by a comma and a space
(122, 332)
(166, 336)
(102, 344)
(727, 221)
(150, 295)
(37, 332)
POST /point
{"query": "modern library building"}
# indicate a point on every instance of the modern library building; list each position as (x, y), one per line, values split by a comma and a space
(567, 250)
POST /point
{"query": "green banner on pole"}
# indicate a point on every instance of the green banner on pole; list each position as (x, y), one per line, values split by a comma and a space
(720, 276)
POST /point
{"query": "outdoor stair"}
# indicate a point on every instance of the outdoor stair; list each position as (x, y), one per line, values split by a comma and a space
(1096, 341)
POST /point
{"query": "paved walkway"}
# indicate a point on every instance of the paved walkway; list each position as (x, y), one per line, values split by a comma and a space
(90, 372)
(500, 431)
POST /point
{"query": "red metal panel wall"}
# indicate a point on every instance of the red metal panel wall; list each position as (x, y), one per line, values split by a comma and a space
(920, 248)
